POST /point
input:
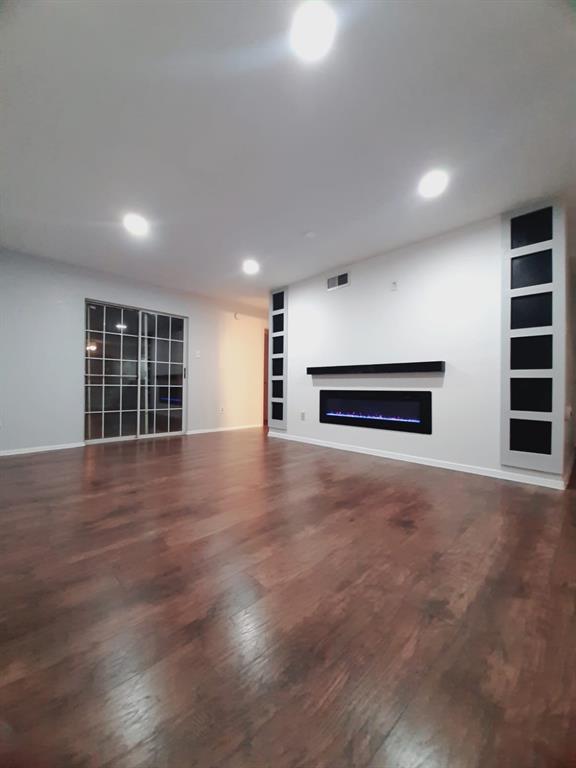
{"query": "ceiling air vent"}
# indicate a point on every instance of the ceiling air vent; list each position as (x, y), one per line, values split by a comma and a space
(338, 281)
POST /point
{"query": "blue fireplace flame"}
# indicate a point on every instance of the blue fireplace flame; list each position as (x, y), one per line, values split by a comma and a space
(371, 417)
(398, 410)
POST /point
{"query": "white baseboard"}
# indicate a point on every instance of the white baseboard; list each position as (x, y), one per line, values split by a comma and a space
(41, 449)
(558, 484)
(222, 429)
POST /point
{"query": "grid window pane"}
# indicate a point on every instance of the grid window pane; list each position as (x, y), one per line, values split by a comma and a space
(163, 327)
(175, 397)
(162, 397)
(129, 423)
(130, 321)
(130, 372)
(95, 317)
(111, 398)
(93, 426)
(129, 398)
(277, 345)
(112, 367)
(162, 373)
(176, 420)
(130, 348)
(111, 425)
(113, 346)
(93, 367)
(113, 319)
(94, 344)
(177, 352)
(163, 351)
(176, 374)
(93, 399)
(177, 328)
(147, 422)
(161, 422)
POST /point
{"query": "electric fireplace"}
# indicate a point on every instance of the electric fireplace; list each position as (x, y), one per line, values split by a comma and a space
(403, 411)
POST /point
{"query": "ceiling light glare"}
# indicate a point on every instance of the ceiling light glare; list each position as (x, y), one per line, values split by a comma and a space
(250, 267)
(313, 30)
(433, 184)
(136, 224)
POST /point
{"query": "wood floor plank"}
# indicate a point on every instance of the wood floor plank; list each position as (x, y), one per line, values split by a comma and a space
(240, 602)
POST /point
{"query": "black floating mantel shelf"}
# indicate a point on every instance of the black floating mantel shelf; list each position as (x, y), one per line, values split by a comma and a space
(428, 366)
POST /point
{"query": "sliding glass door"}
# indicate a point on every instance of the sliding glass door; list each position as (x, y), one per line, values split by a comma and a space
(161, 374)
(134, 383)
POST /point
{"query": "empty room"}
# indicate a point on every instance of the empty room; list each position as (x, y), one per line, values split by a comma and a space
(287, 384)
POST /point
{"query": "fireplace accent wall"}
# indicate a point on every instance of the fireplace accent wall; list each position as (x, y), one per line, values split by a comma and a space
(402, 411)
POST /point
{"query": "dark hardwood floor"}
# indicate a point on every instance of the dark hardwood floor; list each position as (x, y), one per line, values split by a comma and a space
(227, 600)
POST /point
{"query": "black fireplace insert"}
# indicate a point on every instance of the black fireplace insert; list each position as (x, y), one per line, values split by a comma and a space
(403, 411)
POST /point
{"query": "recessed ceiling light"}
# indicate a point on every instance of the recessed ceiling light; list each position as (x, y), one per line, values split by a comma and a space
(91, 348)
(121, 326)
(313, 30)
(250, 267)
(433, 183)
(136, 224)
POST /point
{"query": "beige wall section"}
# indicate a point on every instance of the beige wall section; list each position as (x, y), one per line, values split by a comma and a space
(241, 369)
(42, 352)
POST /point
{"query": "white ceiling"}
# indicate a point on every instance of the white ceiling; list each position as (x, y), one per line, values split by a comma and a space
(195, 114)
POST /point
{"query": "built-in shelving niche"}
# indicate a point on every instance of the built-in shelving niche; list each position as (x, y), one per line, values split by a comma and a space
(533, 337)
(278, 324)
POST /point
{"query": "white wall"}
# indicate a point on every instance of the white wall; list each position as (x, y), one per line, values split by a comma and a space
(42, 344)
(446, 307)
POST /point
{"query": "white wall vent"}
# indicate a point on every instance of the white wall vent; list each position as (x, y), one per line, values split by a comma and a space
(338, 281)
